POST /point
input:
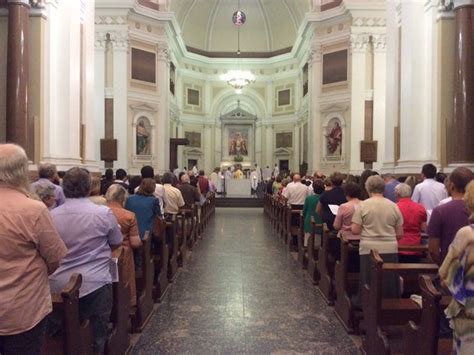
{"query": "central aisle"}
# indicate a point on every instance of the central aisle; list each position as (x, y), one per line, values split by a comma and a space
(241, 292)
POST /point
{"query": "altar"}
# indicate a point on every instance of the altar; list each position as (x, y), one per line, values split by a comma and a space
(238, 188)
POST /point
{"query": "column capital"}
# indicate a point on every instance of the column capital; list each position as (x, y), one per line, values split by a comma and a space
(379, 42)
(359, 42)
(461, 3)
(316, 53)
(120, 40)
(100, 41)
(162, 52)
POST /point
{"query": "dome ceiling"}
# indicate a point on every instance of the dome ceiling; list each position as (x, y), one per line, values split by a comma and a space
(270, 28)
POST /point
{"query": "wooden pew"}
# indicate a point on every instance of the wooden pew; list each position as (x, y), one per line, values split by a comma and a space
(76, 337)
(422, 338)
(380, 312)
(347, 283)
(171, 229)
(302, 250)
(182, 238)
(118, 341)
(295, 228)
(326, 264)
(160, 260)
(313, 254)
(144, 283)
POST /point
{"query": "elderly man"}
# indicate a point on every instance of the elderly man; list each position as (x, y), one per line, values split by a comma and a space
(190, 193)
(48, 176)
(30, 249)
(173, 197)
(295, 193)
(90, 232)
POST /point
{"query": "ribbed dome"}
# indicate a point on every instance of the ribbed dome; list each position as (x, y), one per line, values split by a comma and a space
(271, 24)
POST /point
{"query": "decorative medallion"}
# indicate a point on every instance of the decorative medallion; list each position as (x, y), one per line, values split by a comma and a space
(239, 18)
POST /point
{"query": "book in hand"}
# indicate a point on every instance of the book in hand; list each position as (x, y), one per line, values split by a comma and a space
(334, 209)
(114, 269)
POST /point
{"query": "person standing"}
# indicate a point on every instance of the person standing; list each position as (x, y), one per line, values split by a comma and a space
(296, 193)
(390, 184)
(276, 171)
(449, 217)
(90, 232)
(48, 176)
(309, 214)
(430, 192)
(343, 220)
(414, 222)
(30, 250)
(333, 196)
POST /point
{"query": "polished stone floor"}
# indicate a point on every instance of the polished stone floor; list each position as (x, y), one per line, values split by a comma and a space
(242, 292)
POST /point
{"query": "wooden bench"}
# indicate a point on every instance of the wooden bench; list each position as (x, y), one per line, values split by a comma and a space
(347, 283)
(302, 249)
(76, 338)
(380, 312)
(118, 341)
(182, 238)
(295, 227)
(144, 283)
(160, 260)
(422, 338)
(172, 241)
(326, 263)
(313, 255)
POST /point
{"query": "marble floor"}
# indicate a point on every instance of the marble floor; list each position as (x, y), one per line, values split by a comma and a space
(243, 293)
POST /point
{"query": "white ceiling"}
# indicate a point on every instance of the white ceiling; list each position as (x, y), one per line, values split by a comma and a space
(271, 25)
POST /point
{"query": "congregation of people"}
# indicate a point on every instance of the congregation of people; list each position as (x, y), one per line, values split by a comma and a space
(76, 223)
(386, 214)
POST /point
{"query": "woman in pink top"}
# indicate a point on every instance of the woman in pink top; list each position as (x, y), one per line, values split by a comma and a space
(344, 214)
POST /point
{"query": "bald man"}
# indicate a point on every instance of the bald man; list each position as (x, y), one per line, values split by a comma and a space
(296, 192)
(189, 192)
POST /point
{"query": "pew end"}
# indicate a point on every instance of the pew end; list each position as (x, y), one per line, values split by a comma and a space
(76, 337)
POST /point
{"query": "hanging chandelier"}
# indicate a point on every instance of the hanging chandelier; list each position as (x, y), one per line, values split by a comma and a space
(238, 79)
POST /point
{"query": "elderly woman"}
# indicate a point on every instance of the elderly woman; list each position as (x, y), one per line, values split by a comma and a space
(457, 273)
(414, 222)
(46, 194)
(116, 196)
(379, 223)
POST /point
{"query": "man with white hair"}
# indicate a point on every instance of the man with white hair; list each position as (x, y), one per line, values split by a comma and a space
(189, 192)
(30, 250)
(48, 175)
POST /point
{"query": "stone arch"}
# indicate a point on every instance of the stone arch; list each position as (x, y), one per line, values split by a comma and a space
(250, 101)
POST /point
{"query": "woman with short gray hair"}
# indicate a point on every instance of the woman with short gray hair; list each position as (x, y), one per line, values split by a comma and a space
(414, 222)
(379, 223)
(116, 196)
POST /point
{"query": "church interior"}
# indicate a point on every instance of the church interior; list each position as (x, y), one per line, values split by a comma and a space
(288, 118)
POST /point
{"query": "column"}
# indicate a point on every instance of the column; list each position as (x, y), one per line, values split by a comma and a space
(162, 146)
(181, 163)
(379, 75)
(99, 78)
(460, 146)
(392, 87)
(415, 147)
(17, 72)
(258, 144)
(269, 146)
(296, 147)
(120, 48)
(315, 71)
(208, 149)
(359, 46)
